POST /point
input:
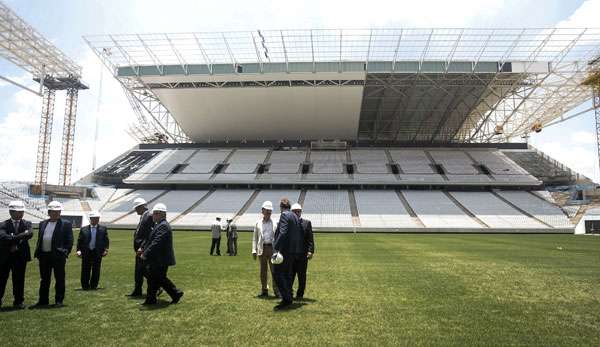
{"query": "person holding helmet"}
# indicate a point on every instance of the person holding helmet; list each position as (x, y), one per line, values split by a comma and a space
(140, 236)
(215, 230)
(15, 233)
(92, 245)
(289, 241)
(158, 255)
(263, 236)
(55, 241)
(301, 264)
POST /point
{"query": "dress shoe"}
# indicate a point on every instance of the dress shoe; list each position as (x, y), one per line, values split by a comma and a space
(177, 297)
(282, 305)
(264, 294)
(134, 295)
(58, 304)
(19, 305)
(149, 302)
(299, 298)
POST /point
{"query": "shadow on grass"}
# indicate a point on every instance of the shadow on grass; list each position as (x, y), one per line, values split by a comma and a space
(158, 306)
(308, 300)
(292, 307)
(10, 309)
(46, 307)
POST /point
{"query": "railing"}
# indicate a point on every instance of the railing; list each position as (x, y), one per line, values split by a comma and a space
(20, 191)
(573, 175)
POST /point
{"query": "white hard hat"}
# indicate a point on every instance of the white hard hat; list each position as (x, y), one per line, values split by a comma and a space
(16, 205)
(160, 207)
(138, 202)
(277, 258)
(55, 206)
(296, 206)
(94, 214)
(267, 205)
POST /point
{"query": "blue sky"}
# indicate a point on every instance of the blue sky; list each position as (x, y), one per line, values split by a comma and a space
(65, 22)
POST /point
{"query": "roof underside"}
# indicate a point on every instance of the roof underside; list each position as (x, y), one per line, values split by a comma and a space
(425, 85)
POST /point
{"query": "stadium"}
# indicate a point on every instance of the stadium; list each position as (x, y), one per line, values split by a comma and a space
(416, 137)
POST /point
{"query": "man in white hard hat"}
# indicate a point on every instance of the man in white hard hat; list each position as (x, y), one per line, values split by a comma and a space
(263, 236)
(301, 264)
(92, 245)
(15, 233)
(140, 236)
(54, 244)
(215, 230)
(158, 255)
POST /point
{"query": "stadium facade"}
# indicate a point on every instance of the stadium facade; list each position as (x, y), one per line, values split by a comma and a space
(407, 130)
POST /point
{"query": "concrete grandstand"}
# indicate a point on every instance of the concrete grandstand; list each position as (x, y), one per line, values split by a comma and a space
(407, 130)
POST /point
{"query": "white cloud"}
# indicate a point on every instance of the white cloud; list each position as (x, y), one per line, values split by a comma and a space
(583, 137)
(586, 16)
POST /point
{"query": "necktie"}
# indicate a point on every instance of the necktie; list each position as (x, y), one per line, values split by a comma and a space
(93, 238)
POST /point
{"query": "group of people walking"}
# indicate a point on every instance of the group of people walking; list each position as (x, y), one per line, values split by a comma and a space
(283, 250)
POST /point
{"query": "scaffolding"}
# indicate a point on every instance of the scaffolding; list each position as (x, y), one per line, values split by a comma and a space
(593, 81)
(23, 46)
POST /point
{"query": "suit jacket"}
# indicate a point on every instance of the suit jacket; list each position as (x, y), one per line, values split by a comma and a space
(257, 237)
(309, 241)
(289, 236)
(85, 236)
(158, 250)
(143, 230)
(10, 237)
(62, 239)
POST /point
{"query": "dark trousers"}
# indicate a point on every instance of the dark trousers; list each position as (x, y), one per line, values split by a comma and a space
(139, 275)
(216, 243)
(299, 270)
(284, 275)
(49, 263)
(17, 267)
(232, 246)
(91, 262)
(157, 278)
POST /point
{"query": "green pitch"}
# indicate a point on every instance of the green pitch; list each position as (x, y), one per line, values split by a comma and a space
(363, 290)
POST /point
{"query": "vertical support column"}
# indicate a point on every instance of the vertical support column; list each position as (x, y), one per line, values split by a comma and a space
(597, 114)
(43, 153)
(66, 156)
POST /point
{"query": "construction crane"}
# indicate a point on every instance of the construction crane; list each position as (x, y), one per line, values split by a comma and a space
(593, 80)
(23, 46)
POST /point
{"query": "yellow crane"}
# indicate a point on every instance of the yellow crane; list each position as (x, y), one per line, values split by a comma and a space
(593, 80)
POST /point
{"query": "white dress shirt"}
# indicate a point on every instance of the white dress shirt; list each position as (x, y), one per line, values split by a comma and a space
(48, 233)
(267, 232)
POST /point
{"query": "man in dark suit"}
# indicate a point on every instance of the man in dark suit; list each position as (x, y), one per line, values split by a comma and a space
(300, 267)
(55, 241)
(289, 241)
(140, 237)
(158, 255)
(15, 233)
(92, 246)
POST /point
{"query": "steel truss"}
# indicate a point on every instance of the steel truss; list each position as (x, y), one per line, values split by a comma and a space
(43, 152)
(513, 106)
(66, 158)
(23, 46)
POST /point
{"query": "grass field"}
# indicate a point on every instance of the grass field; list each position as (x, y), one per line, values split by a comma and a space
(362, 289)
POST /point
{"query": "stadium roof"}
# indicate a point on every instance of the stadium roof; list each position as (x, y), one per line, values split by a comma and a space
(427, 85)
